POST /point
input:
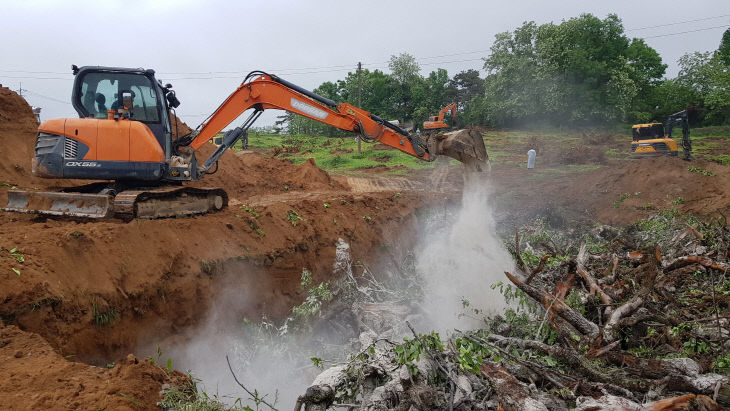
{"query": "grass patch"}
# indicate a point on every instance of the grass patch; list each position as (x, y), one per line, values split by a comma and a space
(335, 154)
(104, 318)
(723, 159)
(701, 171)
(722, 132)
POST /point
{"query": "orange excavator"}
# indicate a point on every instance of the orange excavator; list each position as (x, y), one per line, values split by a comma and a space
(437, 122)
(129, 143)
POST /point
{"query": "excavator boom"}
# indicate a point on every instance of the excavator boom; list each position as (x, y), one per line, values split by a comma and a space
(268, 91)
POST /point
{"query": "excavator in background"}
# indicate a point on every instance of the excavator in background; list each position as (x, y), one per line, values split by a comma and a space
(650, 140)
(130, 143)
(436, 123)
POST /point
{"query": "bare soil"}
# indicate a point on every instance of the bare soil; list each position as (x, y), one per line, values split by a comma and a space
(619, 193)
(90, 292)
(95, 290)
(35, 377)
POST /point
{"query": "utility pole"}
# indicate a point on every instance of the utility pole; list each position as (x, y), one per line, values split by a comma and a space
(359, 100)
(20, 89)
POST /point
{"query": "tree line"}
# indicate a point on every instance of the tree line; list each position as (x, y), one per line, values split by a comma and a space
(582, 72)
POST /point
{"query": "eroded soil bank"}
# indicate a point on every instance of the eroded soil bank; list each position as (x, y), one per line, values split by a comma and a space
(77, 295)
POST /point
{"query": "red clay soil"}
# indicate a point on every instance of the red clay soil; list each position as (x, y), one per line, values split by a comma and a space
(95, 290)
(18, 127)
(41, 379)
(652, 184)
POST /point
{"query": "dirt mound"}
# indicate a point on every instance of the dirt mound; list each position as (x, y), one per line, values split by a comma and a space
(618, 193)
(15, 113)
(18, 127)
(179, 127)
(644, 186)
(245, 174)
(582, 155)
(132, 384)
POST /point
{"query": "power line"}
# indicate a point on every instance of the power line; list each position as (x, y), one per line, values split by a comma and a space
(685, 32)
(32, 72)
(344, 67)
(46, 97)
(678, 22)
(35, 78)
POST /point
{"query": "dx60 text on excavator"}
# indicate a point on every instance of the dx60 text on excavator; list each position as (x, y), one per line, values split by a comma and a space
(129, 143)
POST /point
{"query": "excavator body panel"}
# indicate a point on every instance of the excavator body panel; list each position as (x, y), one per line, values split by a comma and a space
(434, 125)
(95, 149)
(654, 147)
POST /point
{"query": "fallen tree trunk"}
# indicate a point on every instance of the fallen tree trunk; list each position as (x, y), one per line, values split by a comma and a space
(573, 317)
(512, 393)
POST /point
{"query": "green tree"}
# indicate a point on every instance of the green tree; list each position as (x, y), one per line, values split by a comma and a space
(581, 71)
(404, 68)
(708, 76)
(724, 50)
(431, 95)
(465, 86)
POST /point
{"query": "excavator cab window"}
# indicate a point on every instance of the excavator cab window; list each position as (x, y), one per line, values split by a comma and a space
(108, 88)
(650, 132)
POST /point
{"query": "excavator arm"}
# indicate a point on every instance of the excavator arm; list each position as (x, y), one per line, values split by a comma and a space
(680, 118)
(261, 91)
(451, 107)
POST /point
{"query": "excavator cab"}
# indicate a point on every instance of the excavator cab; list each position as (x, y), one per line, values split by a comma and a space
(100, 89)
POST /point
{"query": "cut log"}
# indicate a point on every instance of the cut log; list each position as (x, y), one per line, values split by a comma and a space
(570, 315)
(702, 260)
(512, 393)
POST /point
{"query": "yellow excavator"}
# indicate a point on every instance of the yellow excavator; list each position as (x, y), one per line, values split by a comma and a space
(650, 140)
(129, 143)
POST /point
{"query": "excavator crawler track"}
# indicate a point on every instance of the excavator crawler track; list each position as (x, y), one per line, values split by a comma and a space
(150, 203)
(170, 202)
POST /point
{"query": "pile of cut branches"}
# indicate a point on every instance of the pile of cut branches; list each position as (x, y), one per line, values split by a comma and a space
(634, 318)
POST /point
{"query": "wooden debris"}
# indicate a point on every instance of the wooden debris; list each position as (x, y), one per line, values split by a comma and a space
(628, 307)
(702, 260)
(570, 315)
(512, 393)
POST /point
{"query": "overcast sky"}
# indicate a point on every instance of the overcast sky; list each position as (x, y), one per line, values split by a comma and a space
(306, 42)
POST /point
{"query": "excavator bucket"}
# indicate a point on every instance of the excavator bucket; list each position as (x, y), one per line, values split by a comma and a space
(466, 145)
(58, 203)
